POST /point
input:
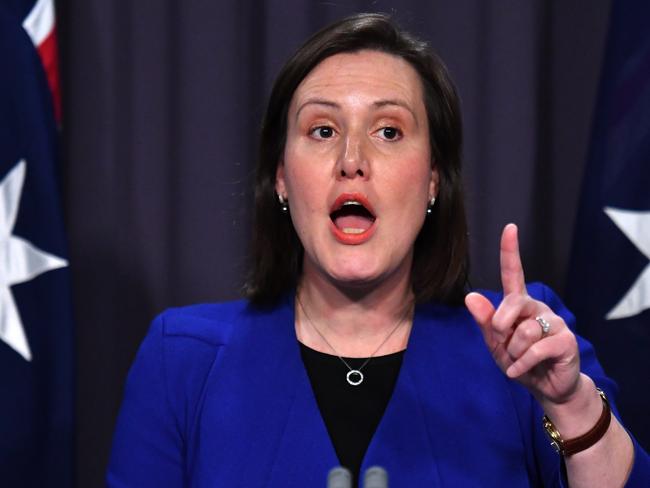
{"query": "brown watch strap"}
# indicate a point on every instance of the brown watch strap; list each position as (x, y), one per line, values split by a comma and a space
(585, 441)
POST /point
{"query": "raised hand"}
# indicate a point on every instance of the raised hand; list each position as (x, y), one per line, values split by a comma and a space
(548, 364)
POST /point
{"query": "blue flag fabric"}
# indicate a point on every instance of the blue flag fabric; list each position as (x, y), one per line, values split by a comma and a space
(609, 278)
(36, 334)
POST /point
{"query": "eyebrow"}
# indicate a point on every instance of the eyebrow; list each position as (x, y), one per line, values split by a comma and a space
(378, 104)
(317, 101)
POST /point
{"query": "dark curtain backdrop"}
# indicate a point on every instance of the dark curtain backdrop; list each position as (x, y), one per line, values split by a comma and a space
(162, 102)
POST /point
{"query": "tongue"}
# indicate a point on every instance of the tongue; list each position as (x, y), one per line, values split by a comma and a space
(353, 223)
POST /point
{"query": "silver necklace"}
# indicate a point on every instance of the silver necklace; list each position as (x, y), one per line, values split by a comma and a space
(354, 376)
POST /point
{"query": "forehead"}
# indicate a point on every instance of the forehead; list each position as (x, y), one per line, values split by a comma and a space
(373, 73)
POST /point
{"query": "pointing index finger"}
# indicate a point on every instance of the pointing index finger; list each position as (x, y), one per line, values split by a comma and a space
(512, 272)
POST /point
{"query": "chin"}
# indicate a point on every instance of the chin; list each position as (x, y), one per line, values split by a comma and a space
(357, 275)
(355, 281)
(356, 268)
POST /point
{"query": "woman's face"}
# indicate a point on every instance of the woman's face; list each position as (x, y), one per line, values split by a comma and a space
(357, 167)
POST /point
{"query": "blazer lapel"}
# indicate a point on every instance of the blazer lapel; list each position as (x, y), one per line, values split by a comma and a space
(305, 452)
(260, 424)
(401, 444)
(451, 395)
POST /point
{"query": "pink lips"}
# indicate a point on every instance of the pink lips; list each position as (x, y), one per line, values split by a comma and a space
(359, 236)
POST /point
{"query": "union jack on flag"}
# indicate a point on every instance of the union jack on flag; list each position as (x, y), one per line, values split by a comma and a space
(39, 23)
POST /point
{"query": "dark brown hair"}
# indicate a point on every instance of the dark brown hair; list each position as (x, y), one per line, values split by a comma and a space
(440, 263)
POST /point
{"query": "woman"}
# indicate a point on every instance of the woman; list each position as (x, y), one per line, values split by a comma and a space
(353, 346)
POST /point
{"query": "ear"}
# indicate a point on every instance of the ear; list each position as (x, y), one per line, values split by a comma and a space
(434, 182)
(280, 184)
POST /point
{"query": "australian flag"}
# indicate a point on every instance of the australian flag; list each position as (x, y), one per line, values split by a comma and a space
(609, 280)
(36, 335)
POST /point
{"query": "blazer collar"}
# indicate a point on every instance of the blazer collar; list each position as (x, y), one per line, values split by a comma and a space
(297, 440)
(401, 444)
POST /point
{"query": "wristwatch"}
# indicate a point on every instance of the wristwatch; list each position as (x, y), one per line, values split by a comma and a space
(570, 447)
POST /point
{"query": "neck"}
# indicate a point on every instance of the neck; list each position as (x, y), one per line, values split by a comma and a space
(354, 320)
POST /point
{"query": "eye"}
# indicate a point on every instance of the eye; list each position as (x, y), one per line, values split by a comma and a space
(390, 133)
(322, 132)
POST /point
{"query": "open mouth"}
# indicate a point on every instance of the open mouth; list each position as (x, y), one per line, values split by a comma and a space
(352, 214)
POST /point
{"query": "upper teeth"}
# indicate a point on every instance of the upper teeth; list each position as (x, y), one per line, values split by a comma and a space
(351, 202)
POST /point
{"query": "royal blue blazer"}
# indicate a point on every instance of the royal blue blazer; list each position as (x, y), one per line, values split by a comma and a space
(218, 396)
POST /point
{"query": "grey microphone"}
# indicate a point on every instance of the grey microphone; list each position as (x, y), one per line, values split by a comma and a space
(339, 478)
(375, 477)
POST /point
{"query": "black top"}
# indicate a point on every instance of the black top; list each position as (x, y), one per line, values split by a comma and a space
(351, 413)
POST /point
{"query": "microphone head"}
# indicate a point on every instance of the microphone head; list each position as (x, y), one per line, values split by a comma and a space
(375, 477)
(339, 478)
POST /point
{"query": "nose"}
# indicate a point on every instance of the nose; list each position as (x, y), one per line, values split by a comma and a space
(352, 161)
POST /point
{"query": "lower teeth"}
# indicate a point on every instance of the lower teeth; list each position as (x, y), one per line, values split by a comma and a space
(350, 230)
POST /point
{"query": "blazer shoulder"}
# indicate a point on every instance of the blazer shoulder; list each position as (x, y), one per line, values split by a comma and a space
(211, 323)
(164, 391)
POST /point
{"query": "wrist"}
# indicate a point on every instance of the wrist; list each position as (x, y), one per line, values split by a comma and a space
(572, 437)
(579, 413)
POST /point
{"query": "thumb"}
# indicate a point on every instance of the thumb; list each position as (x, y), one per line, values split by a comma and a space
(480, 307)
(482, 310)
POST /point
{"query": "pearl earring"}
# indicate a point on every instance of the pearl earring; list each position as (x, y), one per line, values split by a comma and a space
(430, 206)
(284, 203)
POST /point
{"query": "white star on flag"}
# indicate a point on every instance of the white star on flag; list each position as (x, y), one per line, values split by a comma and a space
(635, 225)
(20, 261)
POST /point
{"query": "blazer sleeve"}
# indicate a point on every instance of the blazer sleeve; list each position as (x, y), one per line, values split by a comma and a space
(161, 395)
(640, 474)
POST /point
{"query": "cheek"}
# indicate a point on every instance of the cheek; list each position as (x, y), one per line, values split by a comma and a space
(306, 189)
(419, 172)
(410, 180)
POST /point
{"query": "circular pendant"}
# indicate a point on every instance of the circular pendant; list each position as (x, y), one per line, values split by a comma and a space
(354, 377)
